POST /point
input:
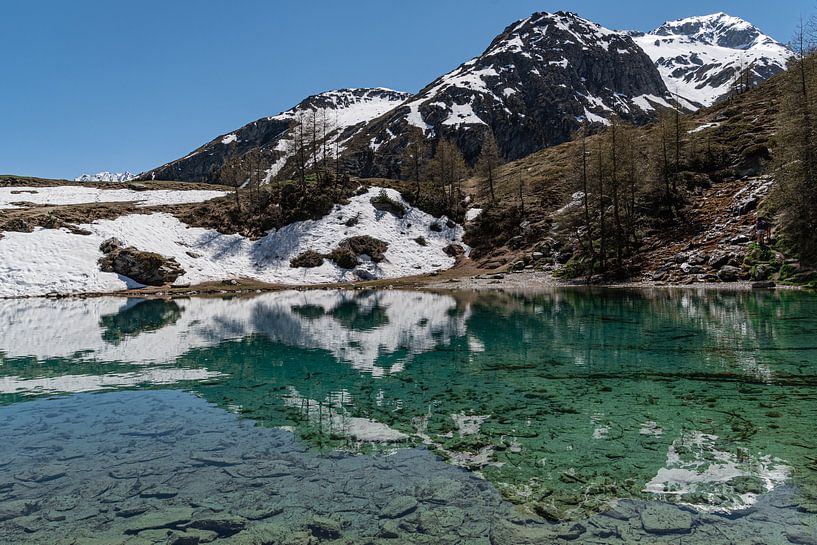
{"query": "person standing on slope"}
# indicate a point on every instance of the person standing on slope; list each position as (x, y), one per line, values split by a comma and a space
(762, 230)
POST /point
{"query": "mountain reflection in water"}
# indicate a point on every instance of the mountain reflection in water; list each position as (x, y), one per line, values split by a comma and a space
(565, 401)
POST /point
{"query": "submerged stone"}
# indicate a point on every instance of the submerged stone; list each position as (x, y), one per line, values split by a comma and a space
(802, 536)
(573, 532)
(223, 525)
(662, 519)
(17, 508)
(167, 518)
(324, 528)
(399, 507)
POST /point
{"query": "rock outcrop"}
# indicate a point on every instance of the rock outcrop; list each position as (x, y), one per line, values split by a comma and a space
(148, 268)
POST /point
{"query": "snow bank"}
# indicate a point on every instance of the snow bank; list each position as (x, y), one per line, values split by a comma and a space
(704, 127)
(72, 194)
(47, 261)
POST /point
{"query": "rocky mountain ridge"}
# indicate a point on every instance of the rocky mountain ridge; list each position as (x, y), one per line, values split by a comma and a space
(338, 116)
(533, 87)
(536, 84)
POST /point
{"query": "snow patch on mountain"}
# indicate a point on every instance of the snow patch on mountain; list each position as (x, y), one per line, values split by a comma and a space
(106, 176)
(337, 114)
(334, 117)
(56, 260)
(700, 58)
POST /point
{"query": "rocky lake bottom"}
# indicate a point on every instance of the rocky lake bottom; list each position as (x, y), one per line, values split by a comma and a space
(567, 416)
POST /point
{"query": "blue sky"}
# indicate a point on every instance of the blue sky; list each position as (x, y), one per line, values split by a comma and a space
(108, 85)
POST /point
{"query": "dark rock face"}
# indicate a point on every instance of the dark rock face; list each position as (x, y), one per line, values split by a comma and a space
(146, 268)
(534, 86)
(204, 164)
(307, 260)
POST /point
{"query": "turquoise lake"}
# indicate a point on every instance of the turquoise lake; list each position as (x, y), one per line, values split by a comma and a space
(368, 417)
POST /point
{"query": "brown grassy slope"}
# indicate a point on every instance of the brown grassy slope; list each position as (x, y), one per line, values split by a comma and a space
(10, 180)
(743, 144)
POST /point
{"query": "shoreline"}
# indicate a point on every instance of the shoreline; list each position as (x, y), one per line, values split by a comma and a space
(456, 279)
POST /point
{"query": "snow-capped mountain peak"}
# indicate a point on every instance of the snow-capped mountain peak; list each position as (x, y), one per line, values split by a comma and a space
(715, 29)
(700, 58)
(535, 84)
(106, 176)
(583, 31)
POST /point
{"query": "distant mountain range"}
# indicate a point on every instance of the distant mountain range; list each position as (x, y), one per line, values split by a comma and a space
(106, 176)
(535, 85)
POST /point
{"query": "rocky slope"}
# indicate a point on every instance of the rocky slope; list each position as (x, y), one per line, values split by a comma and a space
(712, 239)
(344, 112)
(700, 58)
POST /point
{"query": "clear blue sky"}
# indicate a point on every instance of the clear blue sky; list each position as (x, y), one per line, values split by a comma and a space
(114, 85)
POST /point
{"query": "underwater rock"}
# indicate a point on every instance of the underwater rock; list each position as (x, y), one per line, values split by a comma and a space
(266, 534)
(508, 533)
(42, 476)
(18, 508)
(440, 520)
(399, 507)
(664, 519)
(169, 518)
(572, 533)
(223, 525)
(802, 536)
(217, 461)
(183, 538)
(159, 492)
(324, 528)
(390, 529)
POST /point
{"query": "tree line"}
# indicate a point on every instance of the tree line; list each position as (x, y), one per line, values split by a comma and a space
(793, 200)
(312, 157)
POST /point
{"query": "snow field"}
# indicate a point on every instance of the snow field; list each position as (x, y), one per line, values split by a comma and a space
(57, 261)
(72, 194)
